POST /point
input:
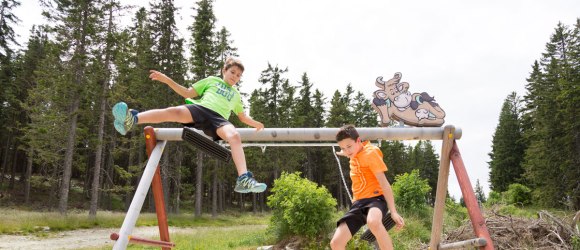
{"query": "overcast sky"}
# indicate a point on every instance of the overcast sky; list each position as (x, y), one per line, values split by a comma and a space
(468, 54)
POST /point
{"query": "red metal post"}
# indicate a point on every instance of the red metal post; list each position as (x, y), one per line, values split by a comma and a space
(156, 186)
(146, 242)
(477, 220)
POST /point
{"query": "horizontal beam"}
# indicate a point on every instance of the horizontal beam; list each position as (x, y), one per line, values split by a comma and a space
(321, 134)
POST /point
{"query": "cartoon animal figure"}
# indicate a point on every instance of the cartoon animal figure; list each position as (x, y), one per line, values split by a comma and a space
(393, 101)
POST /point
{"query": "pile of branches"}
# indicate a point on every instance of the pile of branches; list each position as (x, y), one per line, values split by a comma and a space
(507, 232)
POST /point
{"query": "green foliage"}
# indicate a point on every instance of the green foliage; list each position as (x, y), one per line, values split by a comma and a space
(551, 122)
(507, 146)
(411, 190)
(479, 194)
(494, 198)
(300, 207)
(519, 194)
(575, 242)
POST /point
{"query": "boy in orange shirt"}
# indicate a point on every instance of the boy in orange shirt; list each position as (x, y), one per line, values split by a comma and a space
(371, 189)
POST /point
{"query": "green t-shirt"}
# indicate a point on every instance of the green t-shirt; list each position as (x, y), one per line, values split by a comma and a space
(217, 95)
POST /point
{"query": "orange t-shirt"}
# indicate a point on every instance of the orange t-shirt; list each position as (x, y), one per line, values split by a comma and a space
(363, 167)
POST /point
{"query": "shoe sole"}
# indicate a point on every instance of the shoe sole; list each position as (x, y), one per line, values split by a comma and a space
(120, 114)
(255, 189)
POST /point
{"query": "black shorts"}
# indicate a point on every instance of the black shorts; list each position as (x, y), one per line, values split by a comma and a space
(206, 120)
(356, 217)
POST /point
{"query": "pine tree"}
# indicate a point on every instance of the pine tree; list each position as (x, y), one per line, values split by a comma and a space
(272, 79)
(424, 158)
(550, 122)
(203, 51)
(365, 115)
(33, 55)
(75, 30)
(8, 101)
(507, 147)
(103, 65)
(479, 194)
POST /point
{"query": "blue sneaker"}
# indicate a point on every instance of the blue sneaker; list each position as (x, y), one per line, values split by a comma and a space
(125, 118)
(246, 184)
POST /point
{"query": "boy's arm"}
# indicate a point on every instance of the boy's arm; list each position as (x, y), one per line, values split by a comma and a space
(250, 121)
(180, 90)
(390, 198)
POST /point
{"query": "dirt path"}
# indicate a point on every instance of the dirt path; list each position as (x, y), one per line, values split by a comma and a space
(89, 237)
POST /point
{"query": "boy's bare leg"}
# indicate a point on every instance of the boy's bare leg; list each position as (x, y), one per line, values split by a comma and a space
(341, 237)
(231, 135)
(375, 224)
(173, 114)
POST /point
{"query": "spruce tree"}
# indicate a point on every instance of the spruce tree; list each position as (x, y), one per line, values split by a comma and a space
(479, 194)
(74, 26)
(203, 50)
(507, 146)
(550, 122)
(8, 100)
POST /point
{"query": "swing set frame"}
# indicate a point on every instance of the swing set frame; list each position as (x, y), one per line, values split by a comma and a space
(156, 139)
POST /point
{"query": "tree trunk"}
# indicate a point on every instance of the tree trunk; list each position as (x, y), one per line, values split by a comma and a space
(178, 179)
(340, 204)
(14, 164)
(214, 191)
(5, 157)
(241, 203)
(98, 156)
(28, 176)
(101, 128)
(220, 196)
(198, 183)
(165, 169)
(254, 203)
(68, 157)
(309, 164)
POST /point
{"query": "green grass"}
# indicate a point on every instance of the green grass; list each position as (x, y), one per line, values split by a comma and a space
(28, 222)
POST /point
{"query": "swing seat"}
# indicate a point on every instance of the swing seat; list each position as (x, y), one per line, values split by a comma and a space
(388, 222)
(206, 145)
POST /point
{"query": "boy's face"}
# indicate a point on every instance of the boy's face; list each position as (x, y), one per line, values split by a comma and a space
(350, 147)
(232, 75)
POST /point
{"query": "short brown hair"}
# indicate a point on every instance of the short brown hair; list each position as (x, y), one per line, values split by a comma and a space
(230, 62)
(347, 131)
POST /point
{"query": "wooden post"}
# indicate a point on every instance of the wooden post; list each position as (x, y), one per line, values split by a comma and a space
(477, 220)
(157, 187)
(441, 195)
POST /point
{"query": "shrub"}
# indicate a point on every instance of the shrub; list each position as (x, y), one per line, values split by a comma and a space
(494, 198)
(411, 191)
(300, 207)
(519, 194)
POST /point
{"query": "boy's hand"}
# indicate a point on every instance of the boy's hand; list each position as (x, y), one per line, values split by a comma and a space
(398, 220)
(340, 153)
(259, 126)
(158, 76)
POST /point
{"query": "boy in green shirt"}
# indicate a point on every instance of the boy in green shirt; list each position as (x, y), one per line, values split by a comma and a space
(209, 113)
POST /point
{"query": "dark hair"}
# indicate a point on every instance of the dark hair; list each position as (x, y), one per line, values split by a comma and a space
(230, 62)
(347, 131)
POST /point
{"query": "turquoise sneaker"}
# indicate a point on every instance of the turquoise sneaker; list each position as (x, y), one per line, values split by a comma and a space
(247, 184)
(125, 118)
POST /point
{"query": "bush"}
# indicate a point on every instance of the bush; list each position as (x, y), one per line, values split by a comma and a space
(518, 194)
(411, 191)
(494, 198)
(300, 207)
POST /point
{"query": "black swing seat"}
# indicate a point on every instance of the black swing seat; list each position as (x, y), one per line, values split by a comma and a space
(388, 222)
(206, 145)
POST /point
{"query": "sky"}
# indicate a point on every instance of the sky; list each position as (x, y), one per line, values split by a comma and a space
(470, 55)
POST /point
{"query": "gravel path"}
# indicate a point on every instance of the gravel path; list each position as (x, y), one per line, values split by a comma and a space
(89, 237)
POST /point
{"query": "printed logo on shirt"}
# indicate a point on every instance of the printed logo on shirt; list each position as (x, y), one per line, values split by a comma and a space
(225, 91)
